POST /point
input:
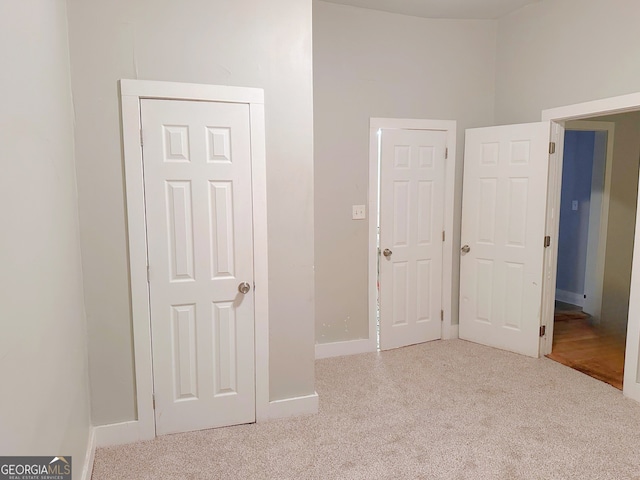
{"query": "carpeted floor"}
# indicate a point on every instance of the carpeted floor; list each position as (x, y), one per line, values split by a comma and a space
(442, 410)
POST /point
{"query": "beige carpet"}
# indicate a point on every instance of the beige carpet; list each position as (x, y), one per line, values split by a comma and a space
(442, 410)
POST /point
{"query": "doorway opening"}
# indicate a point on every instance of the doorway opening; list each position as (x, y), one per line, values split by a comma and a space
(595, 244)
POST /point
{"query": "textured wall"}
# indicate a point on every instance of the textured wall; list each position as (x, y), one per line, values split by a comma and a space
(562, 52)
(374, 64)
(44, 406)
(226, 42)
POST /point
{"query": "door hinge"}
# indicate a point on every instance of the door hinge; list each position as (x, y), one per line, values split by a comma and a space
(547, 241)
(148, 275)
(442, 315)
(153, 399)
(552, 148)
(141, 139)
(543, 330)
(443, 235)
(446, 153)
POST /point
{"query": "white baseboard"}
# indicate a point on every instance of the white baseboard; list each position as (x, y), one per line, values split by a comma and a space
(570, 297)
(130, 432)
(87, 468)
(291, 407)
(119, 434)
(631, 388)
(349, 347)
(454, 332)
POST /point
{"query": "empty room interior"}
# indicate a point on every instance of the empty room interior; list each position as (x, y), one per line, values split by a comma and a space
(321, 239)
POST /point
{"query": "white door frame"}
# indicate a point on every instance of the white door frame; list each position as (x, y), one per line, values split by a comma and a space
(448, 260)
(131, 92)
(560, 115)
(597, 238)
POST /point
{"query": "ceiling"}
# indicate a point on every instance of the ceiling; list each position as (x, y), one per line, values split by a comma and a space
(460, 9)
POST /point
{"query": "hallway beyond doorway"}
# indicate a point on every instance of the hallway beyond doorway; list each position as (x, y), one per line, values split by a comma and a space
(590, 349)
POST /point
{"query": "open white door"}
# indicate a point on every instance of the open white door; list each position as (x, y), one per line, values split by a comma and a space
(503, 229)
(411, 225)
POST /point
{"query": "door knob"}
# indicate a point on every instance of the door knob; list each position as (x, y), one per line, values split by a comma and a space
(244, 287)
(387, 253)
(466, 249)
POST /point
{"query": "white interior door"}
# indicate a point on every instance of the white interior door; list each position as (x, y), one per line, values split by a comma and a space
(503, 229)
(411, 225)
(197, 177)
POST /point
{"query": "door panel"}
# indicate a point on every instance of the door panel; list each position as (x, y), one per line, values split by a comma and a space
(503, 224)
(197, 175)
(411, 224)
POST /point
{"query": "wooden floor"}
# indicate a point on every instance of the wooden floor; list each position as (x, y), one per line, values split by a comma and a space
(587, 348)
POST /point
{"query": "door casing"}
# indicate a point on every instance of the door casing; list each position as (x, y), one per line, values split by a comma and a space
(131, 92)
(449, 259)
(558, 117)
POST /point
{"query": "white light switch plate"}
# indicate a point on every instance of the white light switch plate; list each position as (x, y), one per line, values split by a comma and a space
(359, 212)
(574, 205)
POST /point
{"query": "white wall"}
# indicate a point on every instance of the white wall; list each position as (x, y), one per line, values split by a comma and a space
(573, 236)
(622, 220)
(227, 42)
(374, 64)
(44, 406)
(562, 52)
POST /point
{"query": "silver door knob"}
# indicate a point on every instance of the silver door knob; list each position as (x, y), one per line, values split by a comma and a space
(466, 249)
(244, 287)
(387, 253)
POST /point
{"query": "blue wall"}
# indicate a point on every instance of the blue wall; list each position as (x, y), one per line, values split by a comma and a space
(574, 225)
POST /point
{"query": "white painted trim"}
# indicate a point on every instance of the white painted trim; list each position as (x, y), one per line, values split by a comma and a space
(288, 407)
(554, 186)
(190, 91)
(90, 455)
(608, 106)
(453, 333)
(570, 297)
(448, 250)
(260, 256)
(132, 91)
(129, 432)
(349, 347)
(119, 434)
(137, 236)
(599, 210)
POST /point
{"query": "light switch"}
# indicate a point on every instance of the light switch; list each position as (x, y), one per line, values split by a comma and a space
(574, 205)
(359, 212)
